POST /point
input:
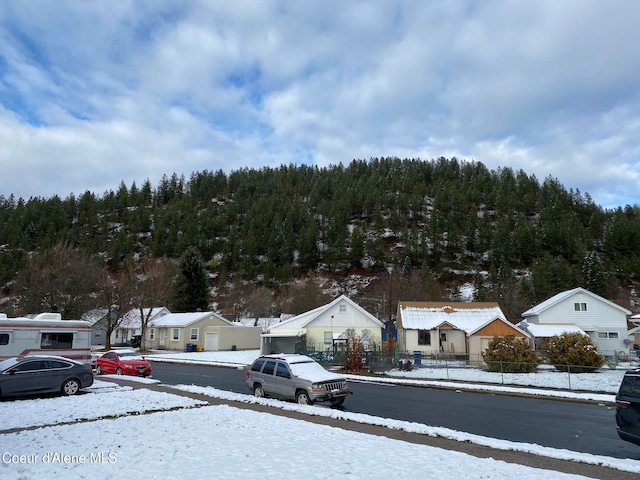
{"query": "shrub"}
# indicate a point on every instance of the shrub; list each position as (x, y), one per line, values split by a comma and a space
(574, 352)
(354, 356)
(510, 354)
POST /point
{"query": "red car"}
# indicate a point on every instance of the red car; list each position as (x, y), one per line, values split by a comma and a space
(123, 362)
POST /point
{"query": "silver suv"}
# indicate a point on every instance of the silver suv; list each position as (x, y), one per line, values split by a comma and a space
(295, 377)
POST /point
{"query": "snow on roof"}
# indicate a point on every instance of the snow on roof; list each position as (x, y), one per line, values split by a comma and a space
(182, 319)
(132, 318)
(546, 331)
(461, 315)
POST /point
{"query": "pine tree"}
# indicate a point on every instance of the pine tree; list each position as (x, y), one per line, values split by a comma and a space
(192, 287)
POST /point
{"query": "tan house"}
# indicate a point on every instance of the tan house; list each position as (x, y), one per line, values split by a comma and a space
(206, 331)
(452, 328)
(324, 328)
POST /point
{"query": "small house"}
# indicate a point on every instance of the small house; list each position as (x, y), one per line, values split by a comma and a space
(456, 329)
(200, 331)
(323, 328)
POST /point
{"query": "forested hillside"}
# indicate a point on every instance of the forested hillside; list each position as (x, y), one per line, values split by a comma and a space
(423, 228)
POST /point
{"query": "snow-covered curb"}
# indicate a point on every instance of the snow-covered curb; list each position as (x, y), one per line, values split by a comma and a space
(480, 387)
(412, 427)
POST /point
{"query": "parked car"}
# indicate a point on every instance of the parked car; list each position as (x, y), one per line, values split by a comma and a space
(628, 407)
(295, 377)
(39, 374)
(123, 362)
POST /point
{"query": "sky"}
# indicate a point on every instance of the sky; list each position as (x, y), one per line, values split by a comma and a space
(102, 432)
(97, 93)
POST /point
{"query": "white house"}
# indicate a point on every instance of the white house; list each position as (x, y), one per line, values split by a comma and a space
(131, 324)
(604, 321)
(323, 328)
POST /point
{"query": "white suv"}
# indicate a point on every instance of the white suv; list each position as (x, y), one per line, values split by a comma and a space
(295, 377)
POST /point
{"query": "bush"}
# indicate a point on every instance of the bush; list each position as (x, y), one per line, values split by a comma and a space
(510, 354)
(574, 352)
(354, 356)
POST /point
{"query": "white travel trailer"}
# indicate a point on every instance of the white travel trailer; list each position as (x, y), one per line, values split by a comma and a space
(46, 334)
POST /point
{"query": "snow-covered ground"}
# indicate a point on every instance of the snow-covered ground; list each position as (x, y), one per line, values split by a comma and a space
(119, 432)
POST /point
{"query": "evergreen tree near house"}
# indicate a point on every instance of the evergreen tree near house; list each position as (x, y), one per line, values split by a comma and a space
(191, 285)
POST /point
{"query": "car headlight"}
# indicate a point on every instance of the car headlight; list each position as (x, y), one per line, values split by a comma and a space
(317, 387)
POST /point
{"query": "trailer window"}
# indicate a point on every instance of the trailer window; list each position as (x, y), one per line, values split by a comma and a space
(4, 339)
(56, 340)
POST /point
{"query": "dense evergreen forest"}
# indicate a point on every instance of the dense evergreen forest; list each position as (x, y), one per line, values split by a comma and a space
(426, 226)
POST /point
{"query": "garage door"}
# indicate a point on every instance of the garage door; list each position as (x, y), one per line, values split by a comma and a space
(211, 342)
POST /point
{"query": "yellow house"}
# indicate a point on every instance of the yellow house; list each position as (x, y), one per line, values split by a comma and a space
(323, 328)
(451, 328)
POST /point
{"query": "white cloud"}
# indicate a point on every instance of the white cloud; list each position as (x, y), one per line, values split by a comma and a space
(135, 90)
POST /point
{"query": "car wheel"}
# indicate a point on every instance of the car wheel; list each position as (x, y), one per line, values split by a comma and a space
(337, 402)
(302, 397)
(70, 387)
(118, 371)
(258, 391)
(98, 370)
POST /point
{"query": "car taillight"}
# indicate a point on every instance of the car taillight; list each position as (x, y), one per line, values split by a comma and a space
(248, 374)
(622, 403)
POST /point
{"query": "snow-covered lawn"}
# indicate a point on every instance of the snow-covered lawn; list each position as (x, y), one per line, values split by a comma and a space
(183, 438)
(119, 432)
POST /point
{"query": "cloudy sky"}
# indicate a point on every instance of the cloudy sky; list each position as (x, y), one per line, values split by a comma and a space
(100, 92)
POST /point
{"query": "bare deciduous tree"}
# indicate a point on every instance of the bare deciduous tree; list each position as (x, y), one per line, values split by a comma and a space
(59, 279)
(150, 286)
(113, 295)
(260, 303)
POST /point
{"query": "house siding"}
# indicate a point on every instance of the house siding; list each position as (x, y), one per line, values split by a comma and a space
(599, 316)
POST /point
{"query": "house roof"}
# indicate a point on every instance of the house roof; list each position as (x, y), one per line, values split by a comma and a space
(541, 307)
(183, 319)
(304, 319)
(466, 316)
(132, 318)
(549, 330)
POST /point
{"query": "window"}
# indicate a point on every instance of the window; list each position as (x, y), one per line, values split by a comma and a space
(57, 364)
(608, 335)
(194, 334)
(282, 371)
(328, 338)
(31, 366)
(424, 337)
(343, 308)
(152, 333)
(269, 367)
(580, 307)
(4, 339)
(175, 334)
(257, 365)
(56, 340)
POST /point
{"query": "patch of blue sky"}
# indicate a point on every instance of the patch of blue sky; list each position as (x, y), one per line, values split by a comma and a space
(249, 81)
(168, 14)
(28, 47)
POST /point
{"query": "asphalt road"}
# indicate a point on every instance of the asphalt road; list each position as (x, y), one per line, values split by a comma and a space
(573, 426)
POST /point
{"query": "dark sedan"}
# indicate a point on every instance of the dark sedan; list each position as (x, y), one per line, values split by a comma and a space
(33, 375)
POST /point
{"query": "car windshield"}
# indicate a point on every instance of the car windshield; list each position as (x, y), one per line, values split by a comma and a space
(312, 371)
(8, 363)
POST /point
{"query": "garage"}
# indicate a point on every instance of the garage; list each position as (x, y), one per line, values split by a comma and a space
(211, 342)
